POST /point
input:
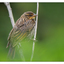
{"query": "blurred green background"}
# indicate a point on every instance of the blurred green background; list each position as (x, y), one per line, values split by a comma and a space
(50, 32)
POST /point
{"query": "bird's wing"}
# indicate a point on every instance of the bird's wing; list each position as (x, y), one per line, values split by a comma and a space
(20, 32)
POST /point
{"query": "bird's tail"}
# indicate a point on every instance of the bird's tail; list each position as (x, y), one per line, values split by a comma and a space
(11, 53)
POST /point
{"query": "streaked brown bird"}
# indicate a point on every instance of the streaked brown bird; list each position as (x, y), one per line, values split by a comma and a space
(23, 27)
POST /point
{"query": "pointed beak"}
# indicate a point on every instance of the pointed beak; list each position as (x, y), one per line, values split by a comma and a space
(35, 15)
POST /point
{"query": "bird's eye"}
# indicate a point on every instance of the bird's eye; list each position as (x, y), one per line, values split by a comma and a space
(30, 15)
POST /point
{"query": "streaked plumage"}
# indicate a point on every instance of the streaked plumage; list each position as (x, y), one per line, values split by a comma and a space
(23, 27)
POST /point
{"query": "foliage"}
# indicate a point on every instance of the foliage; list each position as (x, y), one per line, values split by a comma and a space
(50, 35)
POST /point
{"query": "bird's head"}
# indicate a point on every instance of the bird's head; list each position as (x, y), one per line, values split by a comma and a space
(29, 15)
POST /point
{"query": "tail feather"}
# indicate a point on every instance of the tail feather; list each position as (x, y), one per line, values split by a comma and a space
(11, 53)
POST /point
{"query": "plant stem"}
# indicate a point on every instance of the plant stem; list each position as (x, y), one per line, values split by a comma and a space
(10, 13)
(35, 31)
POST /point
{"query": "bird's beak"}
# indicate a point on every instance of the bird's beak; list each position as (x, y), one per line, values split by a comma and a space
(33, 17)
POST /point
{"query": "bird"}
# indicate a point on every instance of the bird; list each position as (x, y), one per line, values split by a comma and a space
(22, 28)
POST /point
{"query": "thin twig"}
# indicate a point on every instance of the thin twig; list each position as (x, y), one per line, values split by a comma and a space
(35, 31)
(12, 20)
(10, 13)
